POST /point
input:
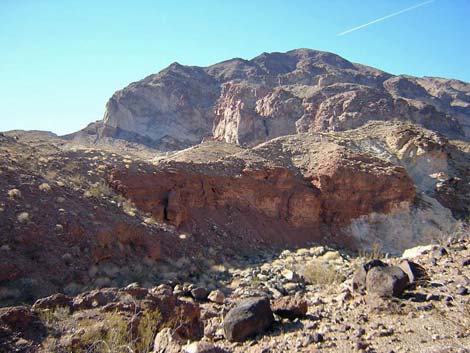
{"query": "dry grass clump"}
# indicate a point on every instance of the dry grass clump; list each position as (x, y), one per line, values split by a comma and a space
(23, 217)
(150, 220)
(45, 187)
(51, 175)
(99, 189)
(319, 272)
(14, 194)
(113, 334)
(376, 252)
(127, 205)
(77, 179)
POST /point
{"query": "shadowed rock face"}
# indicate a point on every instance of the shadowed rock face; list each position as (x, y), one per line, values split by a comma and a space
(275, 94)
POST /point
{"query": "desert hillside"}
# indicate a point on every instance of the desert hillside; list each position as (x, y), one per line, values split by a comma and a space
(292, 202)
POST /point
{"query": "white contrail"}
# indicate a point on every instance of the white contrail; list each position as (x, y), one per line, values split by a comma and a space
(384, 18)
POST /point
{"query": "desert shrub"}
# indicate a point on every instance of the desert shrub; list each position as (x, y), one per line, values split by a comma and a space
(113, 334)
(45, 187)
(150, 220)
(14, 194)
(23, 217)
(147, 330)
(374, 253)
(99, 189)
(319, 272)
(52, 317)
(77, 179)
(129, 208)
(50, 175)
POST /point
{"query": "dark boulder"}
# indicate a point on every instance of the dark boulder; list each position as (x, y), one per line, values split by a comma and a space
(248, 318)
(359, 277)
(389, 281)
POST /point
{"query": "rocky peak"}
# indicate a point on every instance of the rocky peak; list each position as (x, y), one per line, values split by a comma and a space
(239, 101)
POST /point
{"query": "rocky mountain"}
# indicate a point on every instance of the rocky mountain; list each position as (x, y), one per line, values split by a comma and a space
(292, 202)
(275, 94)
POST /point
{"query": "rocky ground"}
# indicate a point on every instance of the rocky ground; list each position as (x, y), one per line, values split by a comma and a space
(313, 293)
(136, 242)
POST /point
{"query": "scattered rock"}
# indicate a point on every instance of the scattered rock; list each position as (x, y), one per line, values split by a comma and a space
(202, 347)
(290, 308)
(53, 301)
(199, 293)
(216, 296)
(17, 318)
(167, 341)
(318, 337)
(291, 276)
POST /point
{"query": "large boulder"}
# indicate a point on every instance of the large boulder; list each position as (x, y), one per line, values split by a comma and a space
(249, 317)
(360, 274)
(386, 281)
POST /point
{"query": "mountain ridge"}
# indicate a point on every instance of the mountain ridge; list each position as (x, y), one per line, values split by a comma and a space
(274, 94)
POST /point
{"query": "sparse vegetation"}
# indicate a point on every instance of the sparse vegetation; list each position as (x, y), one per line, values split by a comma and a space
(14, 194)
(150, 220)
(50, 175)
(99, 189)
(374, 253)
(321, 273)
(127, 206)
(77, 180)
(114, 334)
(45, 187)
(23, 217)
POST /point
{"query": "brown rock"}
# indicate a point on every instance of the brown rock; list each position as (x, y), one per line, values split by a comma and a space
(216, 296)
(18, 317)
(93, 299)
(53, 301)
(199, 293)
(326, 190)
(290, 308)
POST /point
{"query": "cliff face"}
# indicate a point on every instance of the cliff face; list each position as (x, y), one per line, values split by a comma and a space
(356, 188)
(275, 94)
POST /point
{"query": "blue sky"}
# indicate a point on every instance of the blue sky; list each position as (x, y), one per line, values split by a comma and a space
(61, 59)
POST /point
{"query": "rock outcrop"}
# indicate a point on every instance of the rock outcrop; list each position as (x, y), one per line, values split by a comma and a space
(275, 94)
(376, 185)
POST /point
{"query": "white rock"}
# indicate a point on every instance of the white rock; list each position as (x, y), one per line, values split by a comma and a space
(418, 251)
(216, 296)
